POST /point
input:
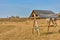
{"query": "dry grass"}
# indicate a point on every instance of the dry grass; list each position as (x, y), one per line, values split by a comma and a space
(23, 31)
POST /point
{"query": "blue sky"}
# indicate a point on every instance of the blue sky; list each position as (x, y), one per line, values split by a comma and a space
(23, 8)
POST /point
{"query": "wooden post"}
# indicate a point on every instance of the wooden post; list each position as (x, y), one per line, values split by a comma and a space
(35, 25)
(48, 29)
(48, 23)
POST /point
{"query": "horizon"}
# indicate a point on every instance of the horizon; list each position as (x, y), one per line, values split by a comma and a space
(23, 8)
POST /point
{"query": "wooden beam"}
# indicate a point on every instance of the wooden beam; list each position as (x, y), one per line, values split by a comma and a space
(35, 25)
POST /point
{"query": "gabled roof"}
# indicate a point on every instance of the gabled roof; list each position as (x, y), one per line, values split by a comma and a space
(44, 13)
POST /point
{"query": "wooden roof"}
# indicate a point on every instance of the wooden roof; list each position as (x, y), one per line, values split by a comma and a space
(44, 13)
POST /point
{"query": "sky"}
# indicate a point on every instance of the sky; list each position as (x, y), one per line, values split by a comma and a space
(23, 8)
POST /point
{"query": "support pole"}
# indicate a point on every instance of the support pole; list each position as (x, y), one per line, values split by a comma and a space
(48, 29)
(35, 25)
(48, 23)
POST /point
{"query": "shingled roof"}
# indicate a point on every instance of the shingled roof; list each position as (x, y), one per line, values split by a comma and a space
(44, 13)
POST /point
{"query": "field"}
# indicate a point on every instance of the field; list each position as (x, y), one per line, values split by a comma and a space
(23, 31)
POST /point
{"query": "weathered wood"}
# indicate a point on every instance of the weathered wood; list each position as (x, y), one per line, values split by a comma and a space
(49, 20)
(35, 25)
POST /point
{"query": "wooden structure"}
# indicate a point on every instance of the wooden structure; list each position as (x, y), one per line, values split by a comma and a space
(58, 14)
(35, 25)
(41, 14)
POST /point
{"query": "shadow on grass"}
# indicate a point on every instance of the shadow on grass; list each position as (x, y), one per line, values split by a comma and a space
(48, 33)
(51, 26)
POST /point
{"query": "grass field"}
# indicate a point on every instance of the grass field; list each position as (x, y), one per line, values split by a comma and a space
(23, 31)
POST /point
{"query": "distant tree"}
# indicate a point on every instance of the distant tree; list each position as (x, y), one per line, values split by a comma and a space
(12, 16)
(17, 16)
